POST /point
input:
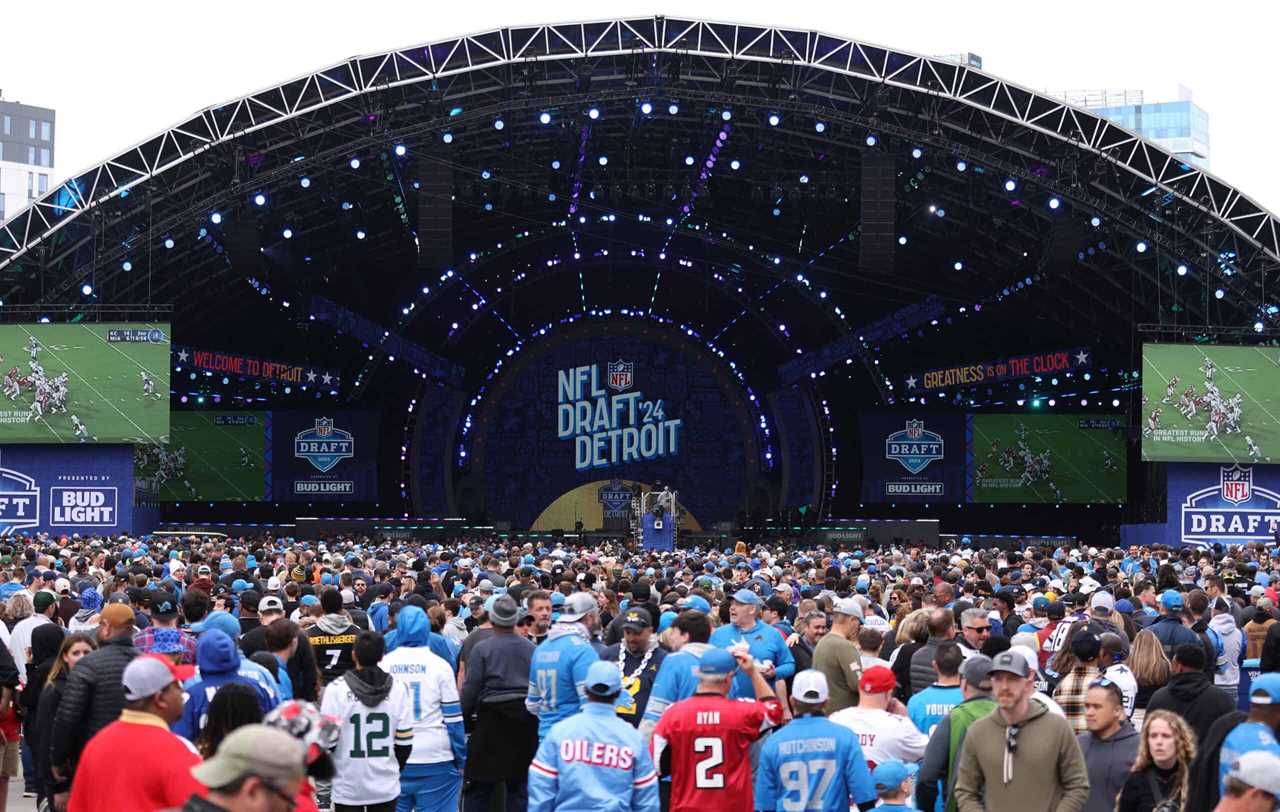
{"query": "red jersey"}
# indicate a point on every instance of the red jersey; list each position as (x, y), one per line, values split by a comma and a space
(706, 738)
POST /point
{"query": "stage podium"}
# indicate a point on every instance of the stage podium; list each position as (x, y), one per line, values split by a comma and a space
(658, 519)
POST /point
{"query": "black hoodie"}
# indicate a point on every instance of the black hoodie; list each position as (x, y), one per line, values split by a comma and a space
(1192, 695)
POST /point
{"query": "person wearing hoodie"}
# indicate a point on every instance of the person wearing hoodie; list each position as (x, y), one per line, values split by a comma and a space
(439, 645)
(1110, 745)
(1021, 756)
(1190, 692)
(219, 663)
(377, 732)
(1232, 640)
(432, 780)
(333, 637)
(379, 610)
(558, 671)
(86, 617)
(45, 642)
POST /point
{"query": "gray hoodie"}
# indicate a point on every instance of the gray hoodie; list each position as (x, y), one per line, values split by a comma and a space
(1108, 762)
(1233, 643)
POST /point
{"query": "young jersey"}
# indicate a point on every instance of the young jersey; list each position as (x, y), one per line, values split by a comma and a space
(433, 698)
(812, 763)
(333, 651)
(884, 736)
(365, 760)
(705, 740)
(929, 707)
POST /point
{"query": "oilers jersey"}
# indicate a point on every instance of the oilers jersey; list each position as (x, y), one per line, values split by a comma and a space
(592, 762)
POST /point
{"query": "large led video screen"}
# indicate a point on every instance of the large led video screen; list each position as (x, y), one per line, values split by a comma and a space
(84, 383)
(1046, 458)
(1209, 403)
(214, 456)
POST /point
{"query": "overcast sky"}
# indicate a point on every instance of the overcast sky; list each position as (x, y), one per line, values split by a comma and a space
(118, 72)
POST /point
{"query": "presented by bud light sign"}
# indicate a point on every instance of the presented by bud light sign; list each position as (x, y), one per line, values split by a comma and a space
(1222, 504)
(66, 489)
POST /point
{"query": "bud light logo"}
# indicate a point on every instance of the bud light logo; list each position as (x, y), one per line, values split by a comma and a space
(19, 502)
(82, 507)
(324, 445)
(621, 375)
(1234, 507)
(914, 447)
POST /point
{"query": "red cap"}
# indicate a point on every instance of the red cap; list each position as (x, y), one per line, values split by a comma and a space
(877, 680)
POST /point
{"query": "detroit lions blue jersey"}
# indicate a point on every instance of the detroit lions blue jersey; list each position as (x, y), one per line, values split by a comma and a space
(812, 764)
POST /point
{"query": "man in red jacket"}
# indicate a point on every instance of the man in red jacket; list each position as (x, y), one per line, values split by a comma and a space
(135, 762)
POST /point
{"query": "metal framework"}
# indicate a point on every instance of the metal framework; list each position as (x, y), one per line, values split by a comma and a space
(838, 69)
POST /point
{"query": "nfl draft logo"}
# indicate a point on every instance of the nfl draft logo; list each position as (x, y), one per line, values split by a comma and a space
(324, 445)
(621, 375)
(914, 447)
(19, 502)
(615, 496)
(1237, 484)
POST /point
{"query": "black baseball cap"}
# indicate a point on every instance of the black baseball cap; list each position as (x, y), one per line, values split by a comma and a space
(636, 619)
(164, 604)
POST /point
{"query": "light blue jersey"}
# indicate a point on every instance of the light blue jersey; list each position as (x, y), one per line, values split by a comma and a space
(932, 705)
(558, 673)
(812, 764)
(766, 643)
(592, 762)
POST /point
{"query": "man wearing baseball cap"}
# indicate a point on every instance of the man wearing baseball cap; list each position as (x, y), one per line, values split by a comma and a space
(164, 615)
(938, 770)
(638, 657)
(881, 722)
(1258, 731)
(766, 644)
(837, 656)
(1252, 784)
(821, 747)
(257, 767)
(593, 759)
(136, 762)
(1021, 756)
(559, 665)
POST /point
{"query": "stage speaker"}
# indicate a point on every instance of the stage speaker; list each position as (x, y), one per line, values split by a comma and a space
(435, 216)
(879, 211)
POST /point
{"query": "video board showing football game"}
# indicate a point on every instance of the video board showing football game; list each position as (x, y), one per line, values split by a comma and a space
(1046, 458)
(1210, 403)
(84, 383)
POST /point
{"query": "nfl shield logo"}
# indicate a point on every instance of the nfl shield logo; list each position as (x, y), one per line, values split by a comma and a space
(915, 429)
(621, 375)
(1237, 484)
(324, 427)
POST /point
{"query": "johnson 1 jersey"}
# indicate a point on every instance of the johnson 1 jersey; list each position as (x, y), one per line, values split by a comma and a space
(705, 740)
(438, 735)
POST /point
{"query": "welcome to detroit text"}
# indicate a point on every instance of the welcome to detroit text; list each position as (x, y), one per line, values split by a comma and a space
(610, 429)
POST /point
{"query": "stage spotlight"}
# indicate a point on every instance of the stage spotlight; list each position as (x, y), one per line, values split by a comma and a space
(304, 182)
(1219, 293)
(673, 109)
(168, 243)
(1054, 203)
(128, 266)
(1115, 402)
(1010, 185)
(1182, 270)
(941, 212)
(917, 153)
(961, 166)
(958, 265)
(215, 218)
(774, 119)
(287, 233)
(447, 138)
(646, 108)
(593, 113)
(902, 240)
(498, 124)
(1095, 221)
(1053, 402)
(1141, 247)
(87, 290)
(360, 235)
(400, 150)
(355, 163)
(727, 115)
(735, 164)
(688, 160)
(871, 139)
(1257, 325)
(259, 199)
(804, 178)
(555, 164)
(820, 126)
(545, 118)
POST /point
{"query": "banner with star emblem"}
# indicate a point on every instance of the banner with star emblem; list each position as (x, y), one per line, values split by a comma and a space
(324, 457)
(1010, 368)
(250, 367)
(912, 457)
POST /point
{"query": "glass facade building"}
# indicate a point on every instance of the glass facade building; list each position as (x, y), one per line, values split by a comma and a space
(1180, 127)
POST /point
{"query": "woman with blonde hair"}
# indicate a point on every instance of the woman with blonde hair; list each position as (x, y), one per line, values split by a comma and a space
(912, 633)
(1160, 779)
(18, 608)
(1151, 669)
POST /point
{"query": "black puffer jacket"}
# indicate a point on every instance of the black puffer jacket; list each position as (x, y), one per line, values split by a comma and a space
(92, 699)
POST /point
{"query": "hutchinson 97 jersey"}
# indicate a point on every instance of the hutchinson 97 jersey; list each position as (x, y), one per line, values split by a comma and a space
(703, 741)
(812, 764)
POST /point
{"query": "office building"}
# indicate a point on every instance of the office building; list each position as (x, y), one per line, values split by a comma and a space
(26, 155)
(1180, 127)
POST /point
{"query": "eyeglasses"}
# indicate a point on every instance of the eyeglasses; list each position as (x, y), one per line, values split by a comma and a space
(979, 629)
(291, 802)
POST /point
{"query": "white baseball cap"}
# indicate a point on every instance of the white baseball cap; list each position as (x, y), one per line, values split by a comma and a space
(1259, 769)
(847, 606)
(810, 686)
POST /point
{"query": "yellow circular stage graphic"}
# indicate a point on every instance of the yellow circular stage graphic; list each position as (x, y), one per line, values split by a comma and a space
(582, 504)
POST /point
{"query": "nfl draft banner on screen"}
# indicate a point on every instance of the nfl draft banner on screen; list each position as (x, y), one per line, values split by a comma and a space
(999, 369)
(1222, 504)
(913, 457)
(66, 489)
(611, 426)
(331, 457)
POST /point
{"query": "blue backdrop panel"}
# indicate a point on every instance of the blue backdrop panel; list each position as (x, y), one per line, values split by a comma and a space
(1222, 504)
(66, 489)
(521, 461)
(798, 437)
(913, 457)
(324, 456)
(657, 538)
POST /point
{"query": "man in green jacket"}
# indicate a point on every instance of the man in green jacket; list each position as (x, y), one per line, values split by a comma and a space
(1021, 756)
(939, 766)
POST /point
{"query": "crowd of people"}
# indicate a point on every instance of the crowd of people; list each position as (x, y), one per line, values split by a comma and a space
(269, 674)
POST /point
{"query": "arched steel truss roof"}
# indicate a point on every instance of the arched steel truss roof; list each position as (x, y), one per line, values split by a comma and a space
(834, 66)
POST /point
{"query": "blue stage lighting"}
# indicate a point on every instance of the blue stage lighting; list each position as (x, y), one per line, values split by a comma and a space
(961, 166)
(498, 123)
(1095, 221)
(1141, 247)
(400, 150)
(1054, 203)
(593, 113)
(355, 163)
(646, 108)
(673, 109)
(555, 164)
(545, 118)
(168, 243)
(126, 266)
(820, 126)
(1182, 270)
(287, 233)
(917, 153)
(1010, 185)
(1219, 293)
(259, 199)
(215, 218)
(727, 115)
(604, 160)
(87, 290)
(774, 119)
(871, 139)
(360, 235)
(304, 182)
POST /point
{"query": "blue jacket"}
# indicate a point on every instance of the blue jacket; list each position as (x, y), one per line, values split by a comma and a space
(441, 646)
(380, 616)
(557, 675)
(766, 643)
(593, 762)
(219, 663)
(1171, 632)
(808, 756)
